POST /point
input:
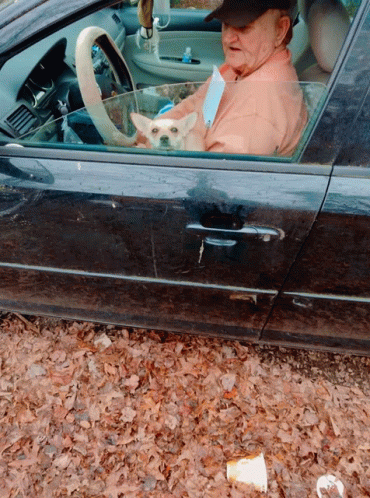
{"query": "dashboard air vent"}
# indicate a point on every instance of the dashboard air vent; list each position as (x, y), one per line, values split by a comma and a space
(21, 120)
(116, 19)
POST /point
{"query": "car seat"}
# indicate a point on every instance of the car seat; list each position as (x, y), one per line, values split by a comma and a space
(328, 23)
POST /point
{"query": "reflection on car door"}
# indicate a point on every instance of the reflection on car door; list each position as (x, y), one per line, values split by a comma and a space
(190, 245)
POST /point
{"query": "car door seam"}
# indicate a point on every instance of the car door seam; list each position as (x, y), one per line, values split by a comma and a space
(296, 258)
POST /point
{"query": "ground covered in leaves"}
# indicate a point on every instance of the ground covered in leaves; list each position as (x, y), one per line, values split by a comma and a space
(100, 411)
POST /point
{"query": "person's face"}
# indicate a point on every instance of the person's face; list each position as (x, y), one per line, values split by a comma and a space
(249, 47)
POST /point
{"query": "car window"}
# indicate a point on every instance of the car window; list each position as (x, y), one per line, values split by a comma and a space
(43, 105)
(140, 122)
(354, 83)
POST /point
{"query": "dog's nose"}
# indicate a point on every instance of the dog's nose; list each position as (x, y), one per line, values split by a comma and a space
(165, 140)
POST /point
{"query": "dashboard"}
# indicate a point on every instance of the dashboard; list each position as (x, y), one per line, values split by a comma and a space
(36, 83)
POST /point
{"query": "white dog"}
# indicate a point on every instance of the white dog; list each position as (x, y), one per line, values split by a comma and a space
(168, 134)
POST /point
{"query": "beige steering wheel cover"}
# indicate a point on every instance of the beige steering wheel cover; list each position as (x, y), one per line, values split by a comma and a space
(89, 89)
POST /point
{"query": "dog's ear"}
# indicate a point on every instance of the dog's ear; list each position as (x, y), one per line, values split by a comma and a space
(187, 123)
(142, 123)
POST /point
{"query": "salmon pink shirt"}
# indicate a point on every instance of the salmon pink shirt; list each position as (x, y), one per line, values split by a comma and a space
(262, 114)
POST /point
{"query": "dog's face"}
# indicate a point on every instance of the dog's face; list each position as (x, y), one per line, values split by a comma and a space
(165, 134)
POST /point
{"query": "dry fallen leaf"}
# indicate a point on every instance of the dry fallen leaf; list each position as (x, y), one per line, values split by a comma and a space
(159, 415)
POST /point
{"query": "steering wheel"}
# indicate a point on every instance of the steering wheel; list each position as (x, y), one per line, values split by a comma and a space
(89, 88)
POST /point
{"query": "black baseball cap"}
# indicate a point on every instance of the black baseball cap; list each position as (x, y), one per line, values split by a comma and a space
(239, 13)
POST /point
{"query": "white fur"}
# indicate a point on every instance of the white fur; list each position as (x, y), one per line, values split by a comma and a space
(168, 134)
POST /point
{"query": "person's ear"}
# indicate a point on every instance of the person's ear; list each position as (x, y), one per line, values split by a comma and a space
(282, 28)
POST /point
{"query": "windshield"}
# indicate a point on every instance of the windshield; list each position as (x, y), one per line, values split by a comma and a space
(5, 3)
(16, 8)
(22, 19)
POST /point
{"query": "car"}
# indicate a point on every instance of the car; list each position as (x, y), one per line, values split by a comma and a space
(263, 249)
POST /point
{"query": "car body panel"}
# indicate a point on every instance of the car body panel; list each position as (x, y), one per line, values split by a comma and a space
(221, 233)
(327, 293)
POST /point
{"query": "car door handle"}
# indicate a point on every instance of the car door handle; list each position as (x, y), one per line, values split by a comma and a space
(230, 236)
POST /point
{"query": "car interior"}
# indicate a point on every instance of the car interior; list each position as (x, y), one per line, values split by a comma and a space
(40, 91)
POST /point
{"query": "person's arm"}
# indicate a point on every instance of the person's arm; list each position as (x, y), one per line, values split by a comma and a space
(245, 135)
(193, 103)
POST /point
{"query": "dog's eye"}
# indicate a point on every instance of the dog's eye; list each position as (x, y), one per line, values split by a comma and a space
(155, 131)
(174, 130)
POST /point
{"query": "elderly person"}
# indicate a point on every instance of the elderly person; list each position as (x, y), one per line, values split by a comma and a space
(262, 112)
